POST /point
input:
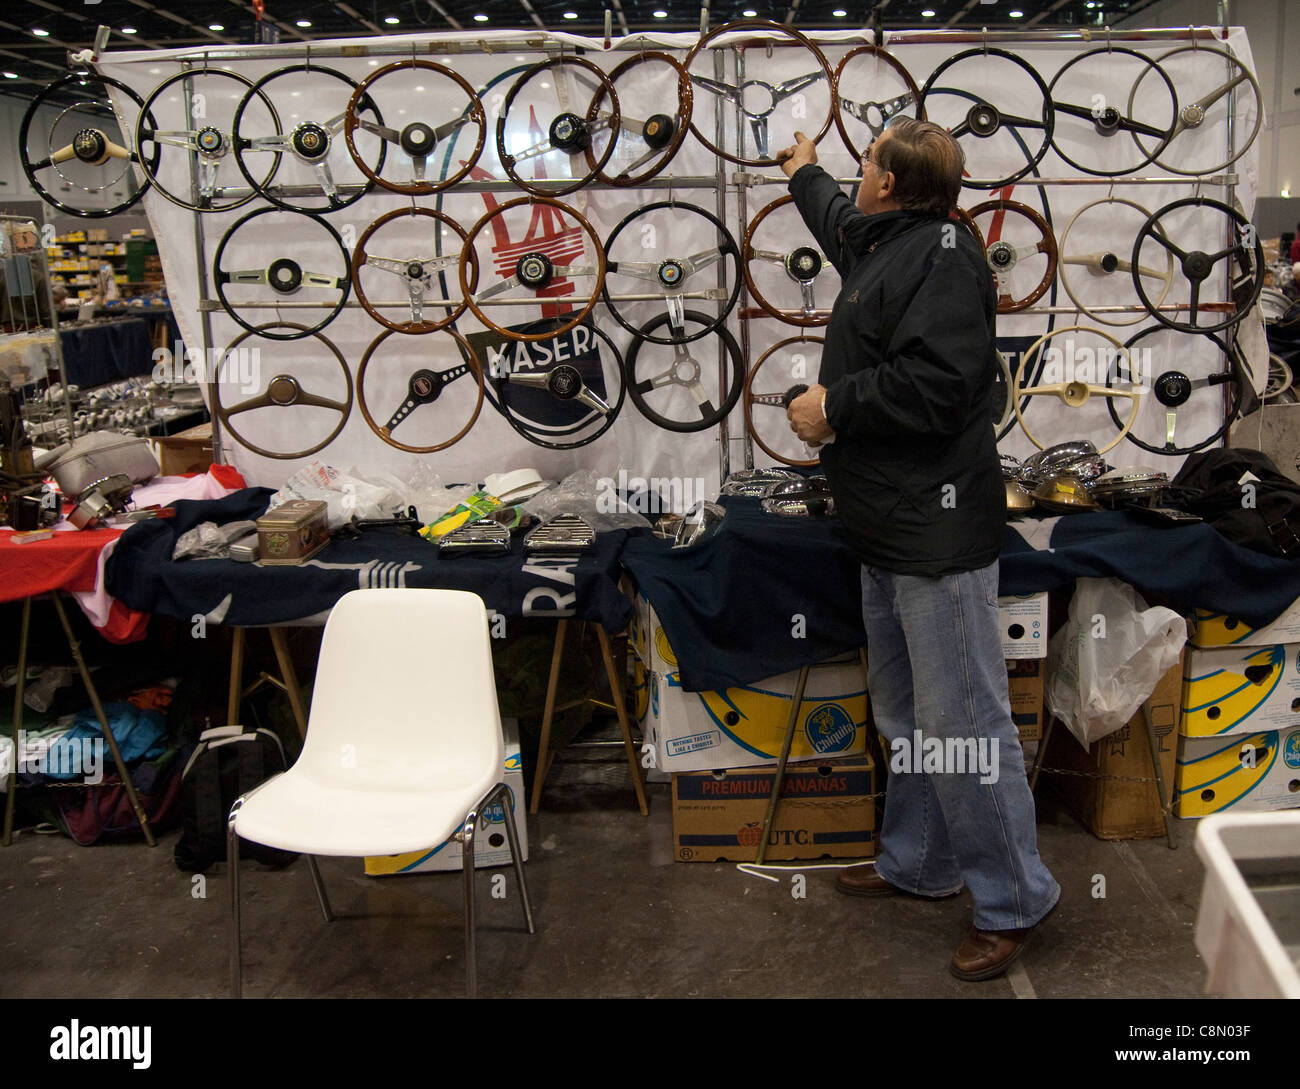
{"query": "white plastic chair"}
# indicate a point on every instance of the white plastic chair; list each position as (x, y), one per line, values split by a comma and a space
(403, 747)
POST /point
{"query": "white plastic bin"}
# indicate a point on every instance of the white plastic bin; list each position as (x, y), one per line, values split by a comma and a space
(1248, 927)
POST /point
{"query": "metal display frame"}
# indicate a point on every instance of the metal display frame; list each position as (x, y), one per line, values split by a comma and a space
(547, 43)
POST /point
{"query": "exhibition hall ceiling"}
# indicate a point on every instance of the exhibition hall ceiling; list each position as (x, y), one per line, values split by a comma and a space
(36, 35)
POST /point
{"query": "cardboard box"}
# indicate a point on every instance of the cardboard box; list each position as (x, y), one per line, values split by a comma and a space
(647, 638)
(491, 846)
(1209, 629)
(188, 451)
(1115, 807)
(826, 811)
(1247, 689)
(744, 727)
(1244, 773)
(1025, 689)
(1023, 621)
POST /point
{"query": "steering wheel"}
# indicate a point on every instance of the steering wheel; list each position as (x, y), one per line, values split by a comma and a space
(424, 386)
(875, 115)
(562, 383)
(1102, 121)
(283, 391)
(982, 119)
(660, 135)
(417, 139)
(803, 265)
(774, 399)
(417, 274)
(757, 99)
(284, 276)
(1194, 115)
(1075, 393)
(684, 373)
(536, 269)
(669, 274)
(1104, 264)
(92, 147)
(1173, 388)
(1004, 256)
(569, 131)
(1246, 254)
(309, 143)
(207, 146)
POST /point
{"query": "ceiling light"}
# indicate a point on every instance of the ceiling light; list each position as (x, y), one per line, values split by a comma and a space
(303, 23)
(928, 13)
(40, 33)
(480, 18)
(1090, 5)
(373, 63)
(749, 13)
(1016, 14)
(660, 14)
(570, 14)
(216, 26)
(839, 13)
(392, 20)
(14, 75)
(129, 30)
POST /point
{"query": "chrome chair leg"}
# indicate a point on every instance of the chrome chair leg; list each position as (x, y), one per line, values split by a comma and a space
(512, 836)
(320, 888)
(466, 837)
(232, 868)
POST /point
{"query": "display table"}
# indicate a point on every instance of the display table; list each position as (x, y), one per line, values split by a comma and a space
(142, 574)
(729, 604)
(94, 355)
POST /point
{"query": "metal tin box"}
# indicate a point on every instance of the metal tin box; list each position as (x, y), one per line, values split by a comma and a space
(293, 532)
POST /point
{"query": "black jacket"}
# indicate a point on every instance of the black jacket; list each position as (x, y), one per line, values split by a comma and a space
(909, 366)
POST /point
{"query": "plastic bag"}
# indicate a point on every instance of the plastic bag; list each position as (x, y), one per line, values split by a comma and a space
(346, 495)
(584, 493)
(1107, 658)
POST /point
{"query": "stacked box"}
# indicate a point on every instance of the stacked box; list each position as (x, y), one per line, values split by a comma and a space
(1239, 744)
(826, 811)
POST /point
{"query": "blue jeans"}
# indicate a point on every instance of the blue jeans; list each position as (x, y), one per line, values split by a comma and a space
(935, 666)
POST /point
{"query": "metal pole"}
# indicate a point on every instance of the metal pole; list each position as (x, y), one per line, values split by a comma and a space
(742, 207)
(205, 314)
(719, 128)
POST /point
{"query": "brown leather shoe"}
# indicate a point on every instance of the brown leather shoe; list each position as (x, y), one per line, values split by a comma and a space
(864, 881)
(987, 954)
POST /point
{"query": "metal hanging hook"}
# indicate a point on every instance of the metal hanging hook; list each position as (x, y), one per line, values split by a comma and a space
(984, 36)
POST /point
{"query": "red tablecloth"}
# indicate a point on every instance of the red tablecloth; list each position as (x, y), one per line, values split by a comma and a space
(71, 561)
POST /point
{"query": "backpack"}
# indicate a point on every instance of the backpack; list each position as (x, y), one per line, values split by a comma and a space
(1264, 517)
(90, 812)
(227, 763)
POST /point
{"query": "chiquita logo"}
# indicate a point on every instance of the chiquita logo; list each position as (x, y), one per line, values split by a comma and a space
(1291, 750)
(829, 728)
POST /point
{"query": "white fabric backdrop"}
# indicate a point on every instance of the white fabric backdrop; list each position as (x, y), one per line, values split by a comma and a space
(634, 443)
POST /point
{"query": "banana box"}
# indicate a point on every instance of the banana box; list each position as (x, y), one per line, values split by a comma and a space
(745, 726)
(1244, 773)
(1246, 689)
(826, 811)
(647, 638)
(1022, 619)
(1211, 629)
(491, 846)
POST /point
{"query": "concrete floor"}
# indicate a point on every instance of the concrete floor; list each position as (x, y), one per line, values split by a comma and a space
(616, 917)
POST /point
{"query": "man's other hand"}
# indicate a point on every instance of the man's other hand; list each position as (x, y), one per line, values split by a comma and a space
(800, 153)
(806, 417)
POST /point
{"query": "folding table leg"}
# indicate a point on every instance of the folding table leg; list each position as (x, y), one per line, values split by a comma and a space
(17, 725)
(616, 691)
(290, 678)
(132, 796)
(778, 780)
(548, 713)
(236, 676)
(1153, 743)
(1041, 754)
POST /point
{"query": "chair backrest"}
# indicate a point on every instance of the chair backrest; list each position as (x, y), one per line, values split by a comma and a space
(405, 698)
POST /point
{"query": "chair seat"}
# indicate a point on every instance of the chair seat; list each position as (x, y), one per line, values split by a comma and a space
(293, 812)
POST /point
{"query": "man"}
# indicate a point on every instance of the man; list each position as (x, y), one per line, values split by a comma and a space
(904, 391)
